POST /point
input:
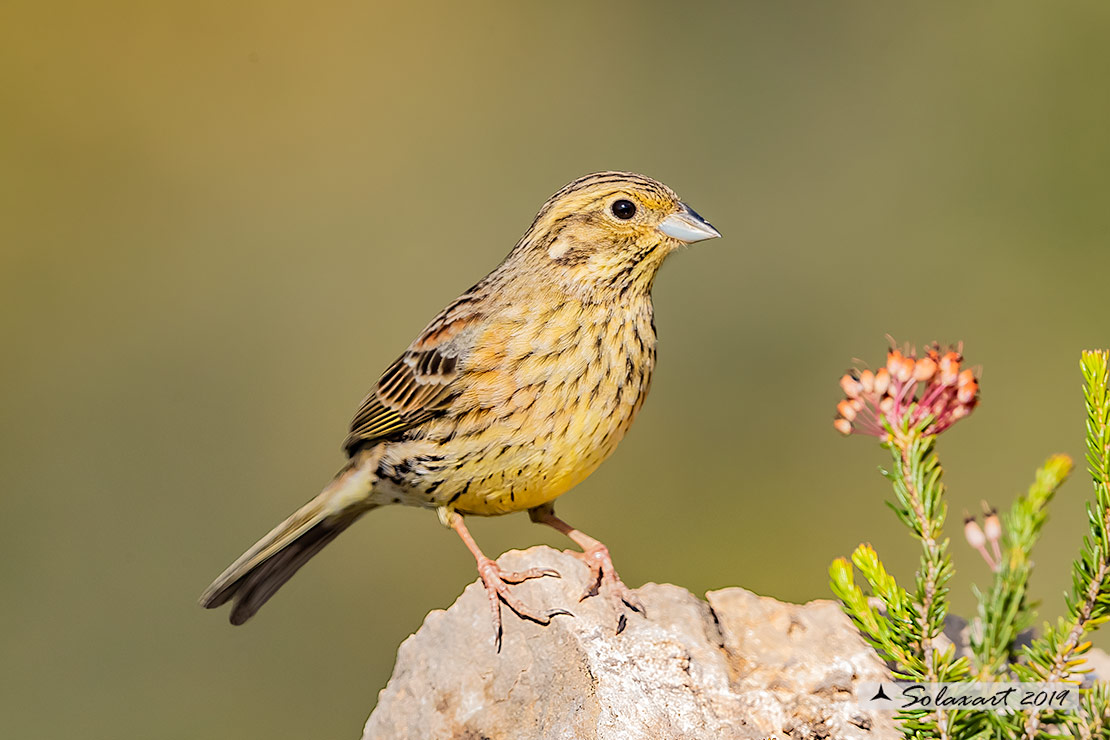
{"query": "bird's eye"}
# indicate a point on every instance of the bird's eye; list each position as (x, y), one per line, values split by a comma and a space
(624, 209)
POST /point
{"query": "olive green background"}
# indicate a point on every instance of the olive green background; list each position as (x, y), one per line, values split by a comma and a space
(220, 221)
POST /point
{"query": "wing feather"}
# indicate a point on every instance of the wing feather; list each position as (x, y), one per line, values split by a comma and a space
(419, 386)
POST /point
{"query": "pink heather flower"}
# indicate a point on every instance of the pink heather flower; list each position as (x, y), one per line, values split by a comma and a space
(906, 391)
(977, 538)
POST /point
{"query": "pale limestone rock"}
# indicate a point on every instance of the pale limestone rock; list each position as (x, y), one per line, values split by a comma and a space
(739, 667)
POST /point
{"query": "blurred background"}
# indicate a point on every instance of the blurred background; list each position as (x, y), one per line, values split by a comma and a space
(220, 221)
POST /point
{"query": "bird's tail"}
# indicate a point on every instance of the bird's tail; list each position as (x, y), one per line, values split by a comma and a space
(264, 568)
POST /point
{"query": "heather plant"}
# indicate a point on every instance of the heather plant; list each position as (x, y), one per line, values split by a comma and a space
(905, 405)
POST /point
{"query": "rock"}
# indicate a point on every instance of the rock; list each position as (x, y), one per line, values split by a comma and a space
(738, 667)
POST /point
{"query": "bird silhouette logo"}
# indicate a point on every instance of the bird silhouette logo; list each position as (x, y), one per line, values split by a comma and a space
(880, 694)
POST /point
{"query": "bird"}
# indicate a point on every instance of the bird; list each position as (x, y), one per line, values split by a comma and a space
(512, 395)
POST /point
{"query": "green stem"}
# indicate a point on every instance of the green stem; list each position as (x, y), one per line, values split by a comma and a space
(930, 563)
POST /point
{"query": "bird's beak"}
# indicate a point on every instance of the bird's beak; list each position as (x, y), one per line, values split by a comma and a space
(687, 226)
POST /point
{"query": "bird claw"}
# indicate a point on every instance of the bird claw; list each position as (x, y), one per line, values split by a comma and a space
(497, 588)
(602, 573)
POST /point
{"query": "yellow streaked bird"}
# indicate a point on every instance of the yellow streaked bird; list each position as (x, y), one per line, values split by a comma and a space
(511, 396)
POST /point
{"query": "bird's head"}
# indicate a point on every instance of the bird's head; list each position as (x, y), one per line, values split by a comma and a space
(610, 231)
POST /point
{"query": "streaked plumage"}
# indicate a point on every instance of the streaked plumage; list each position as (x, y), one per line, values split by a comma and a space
(512, 395)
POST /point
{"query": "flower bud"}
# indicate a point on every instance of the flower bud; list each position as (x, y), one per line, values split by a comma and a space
(882, 381)
(850, 386)
(904, 371)
(949, 366)
(925, 369)
(992, 525)
(843, 426)
(893, 362)
(973, 533)
(867, 381)
(966, 393)
(846, 409)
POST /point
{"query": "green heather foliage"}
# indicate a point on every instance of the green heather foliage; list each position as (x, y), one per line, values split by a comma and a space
(903, 625)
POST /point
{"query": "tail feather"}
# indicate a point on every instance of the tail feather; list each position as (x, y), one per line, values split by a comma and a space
(259, 572)
(256, 587)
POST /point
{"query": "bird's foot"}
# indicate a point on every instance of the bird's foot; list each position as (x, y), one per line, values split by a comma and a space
(603, 574)
(497, 583)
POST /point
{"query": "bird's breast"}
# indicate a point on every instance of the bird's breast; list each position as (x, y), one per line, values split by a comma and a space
(545, 397)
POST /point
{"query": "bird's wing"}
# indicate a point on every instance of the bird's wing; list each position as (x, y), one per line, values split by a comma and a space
(419, 386)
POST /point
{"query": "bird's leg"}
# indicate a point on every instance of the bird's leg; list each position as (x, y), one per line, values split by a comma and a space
(596, 556)
(497, 581)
